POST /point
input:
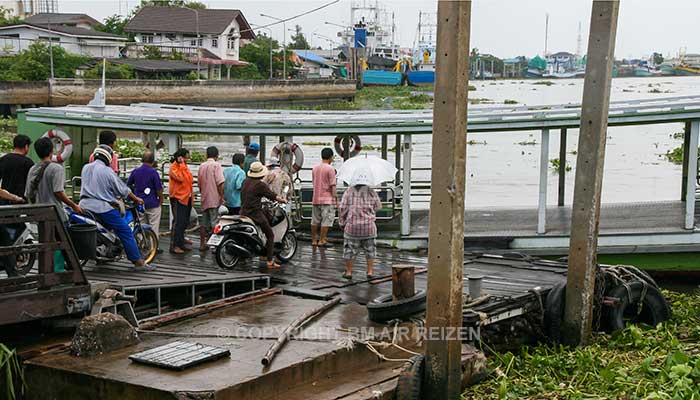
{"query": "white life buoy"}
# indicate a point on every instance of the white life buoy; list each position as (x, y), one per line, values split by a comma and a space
(61, 139)
(290, 155)
(355, 146)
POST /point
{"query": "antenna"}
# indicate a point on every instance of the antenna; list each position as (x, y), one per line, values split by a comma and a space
(546, 33)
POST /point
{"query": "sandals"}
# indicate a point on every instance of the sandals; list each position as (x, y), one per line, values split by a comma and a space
(347, 276)
(324, 244)
(272, 264)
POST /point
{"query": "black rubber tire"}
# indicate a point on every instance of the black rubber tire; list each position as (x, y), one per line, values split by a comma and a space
(383, 309)
(220, 259)
(410, 383)
(554, 312)
(655, 309)
(293, 241)
(25, 261)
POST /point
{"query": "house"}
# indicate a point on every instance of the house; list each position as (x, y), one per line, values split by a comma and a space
(561, 62)
(74, 32)
(211, 37)
(314, 66)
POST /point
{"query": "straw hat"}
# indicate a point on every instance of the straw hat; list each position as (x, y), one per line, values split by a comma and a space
(257, 170)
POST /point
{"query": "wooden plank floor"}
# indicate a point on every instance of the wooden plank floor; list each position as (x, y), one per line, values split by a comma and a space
(619, 218)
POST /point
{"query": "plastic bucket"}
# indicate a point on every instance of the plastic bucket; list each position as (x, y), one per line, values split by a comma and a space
(84, 237)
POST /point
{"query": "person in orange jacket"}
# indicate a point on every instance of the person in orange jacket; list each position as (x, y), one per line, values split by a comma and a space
(181, 198)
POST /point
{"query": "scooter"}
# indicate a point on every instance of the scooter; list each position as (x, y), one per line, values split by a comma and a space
(236, 237)
(109, 247)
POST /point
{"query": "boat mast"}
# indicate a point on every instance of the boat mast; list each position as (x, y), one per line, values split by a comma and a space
(546, 33)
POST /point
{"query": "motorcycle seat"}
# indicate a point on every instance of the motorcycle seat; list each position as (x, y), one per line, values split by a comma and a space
(237, 218)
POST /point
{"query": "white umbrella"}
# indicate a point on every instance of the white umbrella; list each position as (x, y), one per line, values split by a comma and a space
(377, 169)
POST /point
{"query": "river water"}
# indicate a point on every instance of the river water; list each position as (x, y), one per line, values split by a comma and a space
(504, 173)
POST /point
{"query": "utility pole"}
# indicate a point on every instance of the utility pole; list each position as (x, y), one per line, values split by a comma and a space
(446, 240)
(580, 284)
(284, 43)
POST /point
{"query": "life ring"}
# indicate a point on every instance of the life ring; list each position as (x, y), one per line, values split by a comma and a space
(355, 145)
(59, 137)
(290, 155)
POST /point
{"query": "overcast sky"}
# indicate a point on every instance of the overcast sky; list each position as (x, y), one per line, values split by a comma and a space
(505, 28)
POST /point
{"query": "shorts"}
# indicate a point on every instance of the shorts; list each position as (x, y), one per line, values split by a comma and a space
(210, 217)
(352, 245)
(323, 215)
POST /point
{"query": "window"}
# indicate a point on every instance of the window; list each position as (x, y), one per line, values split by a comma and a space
(193, 42)
(147, 38)
(215, 43)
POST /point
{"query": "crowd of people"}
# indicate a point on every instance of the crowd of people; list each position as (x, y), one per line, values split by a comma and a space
(240, 188)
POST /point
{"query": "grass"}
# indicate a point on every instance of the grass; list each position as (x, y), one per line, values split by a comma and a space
(649, 363)
(12, 383)
(655, 261)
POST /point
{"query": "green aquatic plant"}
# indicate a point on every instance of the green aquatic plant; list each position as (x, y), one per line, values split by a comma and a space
(545, 83)
(510, 101)
(11, 374)
(555, 163)
(129, 148)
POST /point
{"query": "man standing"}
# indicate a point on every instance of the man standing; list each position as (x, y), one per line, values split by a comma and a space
(277, 178)
(324, 199)
(210, 180)
(15, 166)
(147, 185)
(100, 189)
(109, 138)
(234, 176)
(251, 156)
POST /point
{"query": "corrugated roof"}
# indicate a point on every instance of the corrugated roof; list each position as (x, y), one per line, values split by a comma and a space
(310, 56)
(155, 65)
(61, 19)
(69, 30)
(184, 20)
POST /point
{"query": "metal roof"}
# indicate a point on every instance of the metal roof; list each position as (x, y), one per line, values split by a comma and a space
(61, 19)
(158, 19)
(212, 120)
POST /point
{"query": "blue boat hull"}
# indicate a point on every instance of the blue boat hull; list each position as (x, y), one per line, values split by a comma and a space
(419, 78)
(383, 78)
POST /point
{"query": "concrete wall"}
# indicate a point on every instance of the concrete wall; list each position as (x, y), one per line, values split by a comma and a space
(228, 93)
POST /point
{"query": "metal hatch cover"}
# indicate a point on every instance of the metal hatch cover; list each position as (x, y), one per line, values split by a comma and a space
(179, 355)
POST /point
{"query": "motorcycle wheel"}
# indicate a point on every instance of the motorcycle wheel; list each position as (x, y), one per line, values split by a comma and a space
(225, 259)
(25, 261)
(289, 247)
(148, 245)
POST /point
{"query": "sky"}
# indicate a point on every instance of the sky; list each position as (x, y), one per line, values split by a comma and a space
(505, 28)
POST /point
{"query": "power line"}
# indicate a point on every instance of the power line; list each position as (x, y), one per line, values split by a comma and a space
(282, 20)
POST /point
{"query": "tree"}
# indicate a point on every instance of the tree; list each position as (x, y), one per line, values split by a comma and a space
(299, 40)
(658, 58)
(114, 25)
(152, 53)
(197, 5)
(6, 17)
(33, 64)
(113, 71)
(258, 52)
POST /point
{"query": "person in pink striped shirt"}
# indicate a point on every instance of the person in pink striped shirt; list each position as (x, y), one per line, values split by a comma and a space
(109, 138)
(357, 215)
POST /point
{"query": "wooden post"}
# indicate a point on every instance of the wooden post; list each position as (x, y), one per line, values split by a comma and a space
(446, 239)
(403, 281)
(263, 149)
(385, 146)
(562, 167)
(686, 153)
(589, 173)
(544, 173)
(692, 162)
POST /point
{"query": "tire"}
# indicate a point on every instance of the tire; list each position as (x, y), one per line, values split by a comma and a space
(148, 245)
(554, 312)
(25, 261)
(654, 308)
(410, 383)
(383, 309)
(223, 258)
(289, 249)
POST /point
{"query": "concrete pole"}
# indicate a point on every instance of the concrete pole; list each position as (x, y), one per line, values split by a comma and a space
(692, 162)
(562, 167)
(406, 188)
(446, 243)
(686, 154)
(544, 171)
(578, 312)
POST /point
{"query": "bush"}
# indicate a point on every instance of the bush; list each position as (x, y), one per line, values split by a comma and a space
(114, 71)
(245, 72)
(33, 64)
(152, 53)
(129, 149)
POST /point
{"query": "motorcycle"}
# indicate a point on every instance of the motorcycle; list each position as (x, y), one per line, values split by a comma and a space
(109, 247)
(237, 237)
(23, 234)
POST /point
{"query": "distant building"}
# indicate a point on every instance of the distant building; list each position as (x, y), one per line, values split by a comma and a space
(214, 36)
(26, 8)
(315, 66)
(561, 62)
(73, 32)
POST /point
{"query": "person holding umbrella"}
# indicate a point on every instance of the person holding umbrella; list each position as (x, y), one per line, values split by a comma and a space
(357, 215)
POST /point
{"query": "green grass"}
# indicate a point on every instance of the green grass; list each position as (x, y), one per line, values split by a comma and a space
(655, 261)
(649, 363)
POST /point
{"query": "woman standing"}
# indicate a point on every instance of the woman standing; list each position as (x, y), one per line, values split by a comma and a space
(181, 197)
(357, 215)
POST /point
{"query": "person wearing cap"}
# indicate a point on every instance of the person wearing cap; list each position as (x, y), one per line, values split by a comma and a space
(100, 190)
(357, 214)
(252, 193)
(251, 156)
(277, 178)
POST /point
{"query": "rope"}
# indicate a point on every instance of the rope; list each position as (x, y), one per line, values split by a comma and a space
(350, 342)
(538, 293)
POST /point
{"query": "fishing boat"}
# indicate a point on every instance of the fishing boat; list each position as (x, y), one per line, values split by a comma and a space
(382, 78)
(686, 70)
(421, 78)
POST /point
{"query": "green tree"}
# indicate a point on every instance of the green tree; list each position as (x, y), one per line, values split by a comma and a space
(658, 58)
(114, 24)
(6, 17)
(299, 40)
(152, 53)
(113, 71)
(258, 52)
(172, 3)
(33, 64)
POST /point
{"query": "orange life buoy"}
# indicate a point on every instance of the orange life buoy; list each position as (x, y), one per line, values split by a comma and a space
(290, 155)
(355, 145)
(60, 138)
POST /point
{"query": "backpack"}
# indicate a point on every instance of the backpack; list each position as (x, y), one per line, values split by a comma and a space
(34, 184)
